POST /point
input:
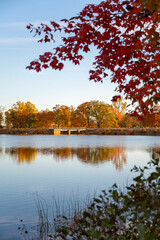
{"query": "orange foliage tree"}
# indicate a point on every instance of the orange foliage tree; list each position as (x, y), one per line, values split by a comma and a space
(153, 119)
(119, 108)
(93, 114)
(44, 119)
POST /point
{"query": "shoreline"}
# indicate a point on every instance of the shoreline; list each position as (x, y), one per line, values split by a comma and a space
(82, 131)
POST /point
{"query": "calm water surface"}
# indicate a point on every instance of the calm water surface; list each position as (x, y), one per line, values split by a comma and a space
(62, 166)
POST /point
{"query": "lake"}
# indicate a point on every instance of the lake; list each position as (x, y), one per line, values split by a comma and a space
(62, 166)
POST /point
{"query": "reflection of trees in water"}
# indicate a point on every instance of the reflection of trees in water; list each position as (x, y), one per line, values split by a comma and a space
(59, 153)
(23, 154)
(93, 155)
(99, 155)
(1, 151)
(88, 155)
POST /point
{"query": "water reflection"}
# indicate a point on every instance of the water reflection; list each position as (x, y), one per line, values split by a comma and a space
(63, 166)
(87, 155)
(21, 154)
(92, 155)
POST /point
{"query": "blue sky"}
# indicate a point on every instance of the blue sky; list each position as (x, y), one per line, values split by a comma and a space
(18, 47)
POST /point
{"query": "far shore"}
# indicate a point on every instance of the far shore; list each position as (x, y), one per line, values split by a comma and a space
(82, 131)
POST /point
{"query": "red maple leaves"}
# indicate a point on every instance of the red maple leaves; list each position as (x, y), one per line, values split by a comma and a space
(127, 36)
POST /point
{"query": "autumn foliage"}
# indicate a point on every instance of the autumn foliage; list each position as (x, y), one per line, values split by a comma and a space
(126, 34)
(21, 115)
(93, 114)
(153, 119)
(1, 116)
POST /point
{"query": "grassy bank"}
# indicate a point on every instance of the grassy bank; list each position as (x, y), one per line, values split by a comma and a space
(88, 131)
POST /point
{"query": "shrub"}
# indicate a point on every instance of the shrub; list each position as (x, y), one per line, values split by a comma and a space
(133, 214)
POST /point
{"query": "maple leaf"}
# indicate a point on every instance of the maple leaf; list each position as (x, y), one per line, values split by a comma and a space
(126, 35)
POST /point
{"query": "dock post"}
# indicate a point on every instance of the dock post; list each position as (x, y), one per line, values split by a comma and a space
(57, 132)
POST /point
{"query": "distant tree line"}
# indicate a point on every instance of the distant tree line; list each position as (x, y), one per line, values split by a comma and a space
(93, 114)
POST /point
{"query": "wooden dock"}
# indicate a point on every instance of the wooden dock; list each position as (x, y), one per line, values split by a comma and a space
(67, 131)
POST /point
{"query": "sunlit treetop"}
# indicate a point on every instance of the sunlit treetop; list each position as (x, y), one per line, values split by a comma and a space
(127, 37)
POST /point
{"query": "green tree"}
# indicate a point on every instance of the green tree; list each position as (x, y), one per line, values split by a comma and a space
(82, 115)
(130, 122)
(63, 115)
(102, 114)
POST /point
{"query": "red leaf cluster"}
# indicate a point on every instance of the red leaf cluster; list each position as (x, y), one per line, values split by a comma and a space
(127, 37)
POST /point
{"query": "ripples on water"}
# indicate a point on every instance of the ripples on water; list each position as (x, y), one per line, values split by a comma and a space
(62, 165)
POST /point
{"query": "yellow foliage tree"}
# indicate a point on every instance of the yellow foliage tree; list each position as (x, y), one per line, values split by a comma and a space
(21, 115)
